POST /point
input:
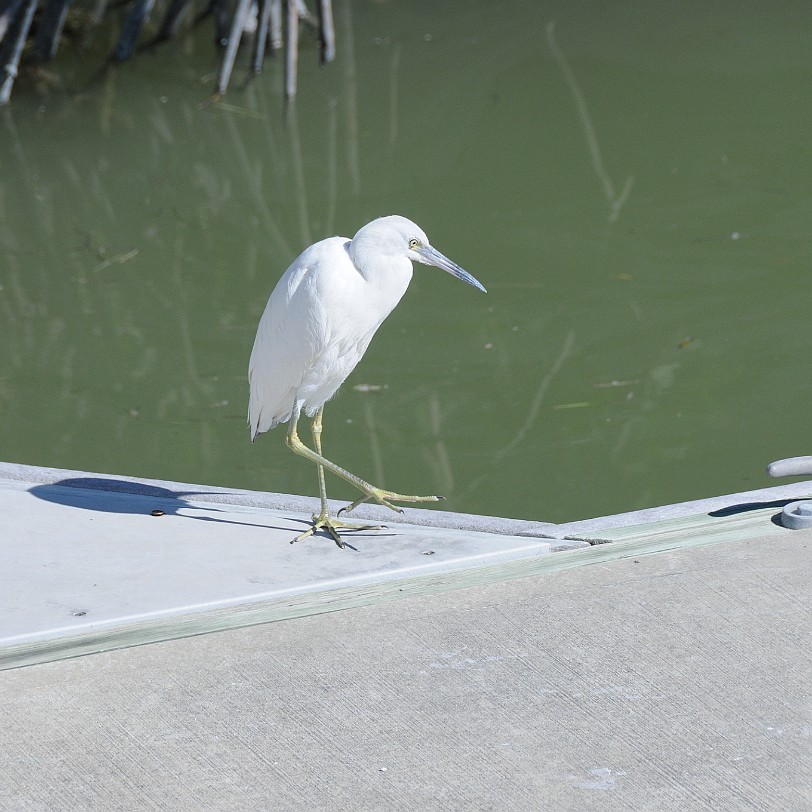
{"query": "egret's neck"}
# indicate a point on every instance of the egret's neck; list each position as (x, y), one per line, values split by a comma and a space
(386, 274)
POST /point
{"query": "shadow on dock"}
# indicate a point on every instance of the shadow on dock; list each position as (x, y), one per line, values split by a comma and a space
(135, 498)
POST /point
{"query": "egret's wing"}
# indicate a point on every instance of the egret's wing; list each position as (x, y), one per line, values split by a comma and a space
(292, 333)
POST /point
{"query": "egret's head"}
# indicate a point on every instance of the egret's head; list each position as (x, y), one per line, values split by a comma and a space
(394, 237)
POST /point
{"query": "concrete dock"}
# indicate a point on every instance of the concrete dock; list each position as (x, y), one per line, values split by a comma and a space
(165, 647)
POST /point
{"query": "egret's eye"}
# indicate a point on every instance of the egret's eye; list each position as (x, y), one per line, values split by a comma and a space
(414, 244)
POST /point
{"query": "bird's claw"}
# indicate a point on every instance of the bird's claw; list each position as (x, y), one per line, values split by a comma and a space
(327, 523)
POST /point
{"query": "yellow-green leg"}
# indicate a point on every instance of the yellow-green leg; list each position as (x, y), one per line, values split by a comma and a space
(323, 521)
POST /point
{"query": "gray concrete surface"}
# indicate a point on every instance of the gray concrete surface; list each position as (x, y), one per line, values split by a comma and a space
(676, 681)
(94, 569)
(668, 668)
(85, 566)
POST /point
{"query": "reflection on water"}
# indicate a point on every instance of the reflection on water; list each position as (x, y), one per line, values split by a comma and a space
(642, 341)
(614, 199)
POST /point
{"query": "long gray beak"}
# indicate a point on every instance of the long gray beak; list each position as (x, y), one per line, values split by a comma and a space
(431, 256)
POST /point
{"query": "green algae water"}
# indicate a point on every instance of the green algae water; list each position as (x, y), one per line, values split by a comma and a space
(630, 181)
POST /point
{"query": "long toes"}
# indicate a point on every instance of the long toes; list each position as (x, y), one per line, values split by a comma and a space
(306, 535)
(330, 527)
(336, 538)
(400, 497)
(379, 499)
(386, 498)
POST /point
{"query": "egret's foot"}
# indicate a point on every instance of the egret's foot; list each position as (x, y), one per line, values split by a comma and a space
(386, 498)
(326, 522)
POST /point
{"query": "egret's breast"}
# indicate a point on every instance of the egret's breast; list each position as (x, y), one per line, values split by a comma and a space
(351, 319)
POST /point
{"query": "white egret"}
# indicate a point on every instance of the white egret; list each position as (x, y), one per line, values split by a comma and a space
(317, 325)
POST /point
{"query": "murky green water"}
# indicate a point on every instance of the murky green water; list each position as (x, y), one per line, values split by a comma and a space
(632, 188)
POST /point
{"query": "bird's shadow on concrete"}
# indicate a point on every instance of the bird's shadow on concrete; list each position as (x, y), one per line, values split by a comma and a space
(140, 499)
(131, 498)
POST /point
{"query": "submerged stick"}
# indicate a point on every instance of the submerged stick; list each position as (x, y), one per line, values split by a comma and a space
(51, 23)
(303, 12)
(132, 28)
(13, 63)
(234, 37)
(292, 60)
(171, 21)
(17, 19)
(263, 23)
(615, 201)
(8, 14)
(220, 11)
(327, 31)
(276, 24)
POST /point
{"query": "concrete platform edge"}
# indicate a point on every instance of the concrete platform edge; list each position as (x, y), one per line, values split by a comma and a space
(774, 496)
